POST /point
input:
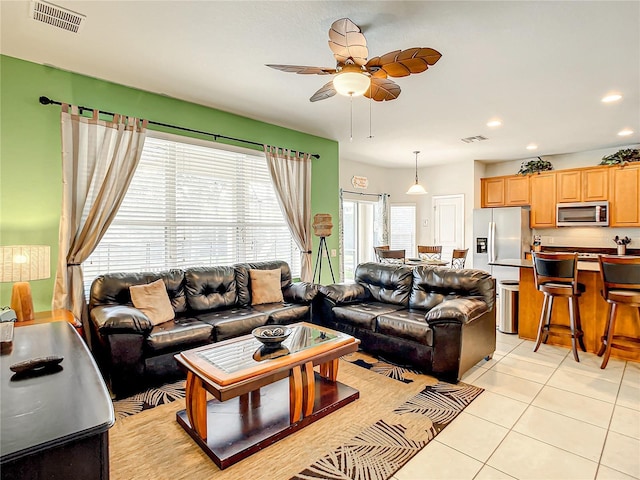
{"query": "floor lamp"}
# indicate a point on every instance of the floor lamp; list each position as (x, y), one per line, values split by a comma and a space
(20, 264)
(322, 228)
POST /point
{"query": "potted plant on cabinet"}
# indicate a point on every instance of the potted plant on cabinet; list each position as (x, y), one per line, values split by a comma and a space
(534, 166)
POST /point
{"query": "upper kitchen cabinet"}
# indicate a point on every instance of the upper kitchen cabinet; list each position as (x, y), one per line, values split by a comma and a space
(625, 196)
(492, 191)
(595, 184)
(582, 185)
(543, 200)
(507, 191)
(516, 190)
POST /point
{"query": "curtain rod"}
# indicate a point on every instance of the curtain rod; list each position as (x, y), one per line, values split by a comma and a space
(370, 194)
(47, 101)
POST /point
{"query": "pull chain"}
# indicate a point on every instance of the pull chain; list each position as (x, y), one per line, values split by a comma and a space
(351, 118)
(370, 103)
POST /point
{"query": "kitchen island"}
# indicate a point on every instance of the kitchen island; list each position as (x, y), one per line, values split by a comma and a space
(593, 309)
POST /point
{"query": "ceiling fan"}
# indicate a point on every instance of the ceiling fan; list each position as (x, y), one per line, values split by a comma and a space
(355, 75)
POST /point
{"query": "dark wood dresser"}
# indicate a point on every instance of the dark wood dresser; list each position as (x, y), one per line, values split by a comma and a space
(53, 425)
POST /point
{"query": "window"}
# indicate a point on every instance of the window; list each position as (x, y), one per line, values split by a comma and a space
(403, 228)
(193, 204)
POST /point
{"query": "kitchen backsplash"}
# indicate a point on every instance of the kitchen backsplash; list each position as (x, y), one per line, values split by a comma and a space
(592, 237)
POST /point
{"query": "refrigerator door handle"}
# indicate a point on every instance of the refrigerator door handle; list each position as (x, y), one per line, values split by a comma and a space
(492, 241)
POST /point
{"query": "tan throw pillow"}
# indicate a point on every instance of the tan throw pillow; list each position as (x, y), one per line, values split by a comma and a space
(265, 286)
(152, 300)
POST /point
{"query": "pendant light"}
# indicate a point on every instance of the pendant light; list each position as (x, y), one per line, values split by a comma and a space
(416, 188)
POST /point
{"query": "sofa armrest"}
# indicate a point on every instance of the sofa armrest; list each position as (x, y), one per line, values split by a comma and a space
(463, 310)
(300, 292)
(340, 293)
(120, 319)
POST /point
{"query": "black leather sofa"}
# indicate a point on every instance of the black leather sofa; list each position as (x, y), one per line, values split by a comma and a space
(210, 304)
(438, 320)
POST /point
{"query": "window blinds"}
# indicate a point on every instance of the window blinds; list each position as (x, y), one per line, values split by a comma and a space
(194, 205)
(403, 228)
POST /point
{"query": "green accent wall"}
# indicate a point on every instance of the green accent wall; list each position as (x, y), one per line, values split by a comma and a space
(30, 158)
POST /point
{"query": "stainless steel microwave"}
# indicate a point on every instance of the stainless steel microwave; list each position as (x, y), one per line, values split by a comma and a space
(584, 214)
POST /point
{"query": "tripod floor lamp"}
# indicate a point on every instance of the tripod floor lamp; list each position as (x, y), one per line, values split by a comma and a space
(322, 228)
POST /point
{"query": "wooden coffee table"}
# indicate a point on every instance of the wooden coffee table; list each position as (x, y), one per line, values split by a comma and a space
(261, 395)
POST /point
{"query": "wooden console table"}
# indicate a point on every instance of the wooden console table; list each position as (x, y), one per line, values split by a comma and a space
(53, 316)
(53, 425)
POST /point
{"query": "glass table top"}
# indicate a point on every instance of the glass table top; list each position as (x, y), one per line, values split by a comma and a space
(249, 352)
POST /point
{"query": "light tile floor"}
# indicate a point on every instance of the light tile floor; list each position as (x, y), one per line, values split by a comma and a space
(542, 416)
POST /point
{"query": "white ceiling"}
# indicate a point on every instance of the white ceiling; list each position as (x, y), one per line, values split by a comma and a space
(541, 67)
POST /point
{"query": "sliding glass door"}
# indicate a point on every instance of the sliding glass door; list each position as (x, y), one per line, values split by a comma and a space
(358, 220)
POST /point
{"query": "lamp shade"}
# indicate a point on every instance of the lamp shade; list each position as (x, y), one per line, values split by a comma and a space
(22, 263)
(351, 81)
(416, 189)
(322, 225)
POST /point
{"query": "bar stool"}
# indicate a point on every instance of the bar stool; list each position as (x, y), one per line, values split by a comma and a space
(556, 275)
(621, 286)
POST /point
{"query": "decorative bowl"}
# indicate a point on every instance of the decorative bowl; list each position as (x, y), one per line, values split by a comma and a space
(271, 335)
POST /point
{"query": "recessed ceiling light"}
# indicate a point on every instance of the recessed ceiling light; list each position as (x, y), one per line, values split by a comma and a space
(612, 97)
(532, 146)
(494, 123)
(625, 132)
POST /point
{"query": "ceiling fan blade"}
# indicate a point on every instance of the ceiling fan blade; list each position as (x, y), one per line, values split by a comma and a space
(346, 41)
(383, 89)
(327, 91)
(379, 73)
(304, 70)
(401, 63)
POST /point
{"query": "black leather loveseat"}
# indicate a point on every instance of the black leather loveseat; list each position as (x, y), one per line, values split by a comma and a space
(436, 319)
(210, 304)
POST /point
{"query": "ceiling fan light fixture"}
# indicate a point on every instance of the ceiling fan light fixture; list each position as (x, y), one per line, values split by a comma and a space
(416, 188)
(351, 84)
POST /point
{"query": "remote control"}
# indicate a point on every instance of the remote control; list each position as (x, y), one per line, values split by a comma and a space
(34, 363)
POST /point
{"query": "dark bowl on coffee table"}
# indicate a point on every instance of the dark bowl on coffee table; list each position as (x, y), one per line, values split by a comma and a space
(271, 335)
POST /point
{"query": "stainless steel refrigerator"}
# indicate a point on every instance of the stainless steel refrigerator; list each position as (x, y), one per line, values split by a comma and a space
(499, 234)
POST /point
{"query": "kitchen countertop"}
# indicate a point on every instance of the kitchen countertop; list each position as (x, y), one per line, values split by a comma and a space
(521, 263)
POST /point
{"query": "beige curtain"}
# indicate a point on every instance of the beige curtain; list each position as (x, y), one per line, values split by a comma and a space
(291, 176)
(98, 162)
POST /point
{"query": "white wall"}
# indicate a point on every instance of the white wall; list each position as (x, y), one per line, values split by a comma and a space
(450, 179)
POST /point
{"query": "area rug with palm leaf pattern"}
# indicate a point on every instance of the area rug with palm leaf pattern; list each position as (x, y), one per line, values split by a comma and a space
(389, 431)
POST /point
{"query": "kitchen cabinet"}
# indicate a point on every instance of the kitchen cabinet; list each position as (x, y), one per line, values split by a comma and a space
(543, 200)
(492, 191)
(516, 190)
(582, 185)
(569, 186)
(507, 191)
(625, 196)
(595, 184)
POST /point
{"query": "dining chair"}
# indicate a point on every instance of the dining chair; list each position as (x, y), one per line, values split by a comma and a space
(621, 286)
(377, 249)
(430, 252)
(392, 256)
(458, 257)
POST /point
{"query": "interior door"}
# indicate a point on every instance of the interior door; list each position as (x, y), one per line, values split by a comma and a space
(448, 223)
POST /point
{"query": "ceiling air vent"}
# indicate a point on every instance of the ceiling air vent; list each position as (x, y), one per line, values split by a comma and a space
(57, 16)
(477, 138)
